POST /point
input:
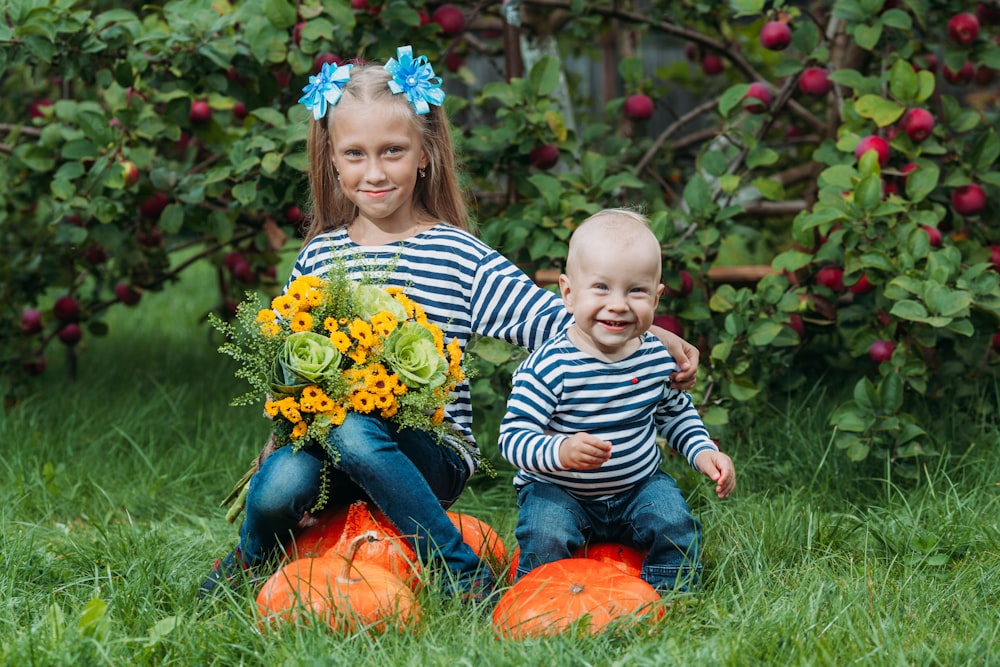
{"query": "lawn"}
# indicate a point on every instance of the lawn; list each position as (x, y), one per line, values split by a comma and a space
(109, 520)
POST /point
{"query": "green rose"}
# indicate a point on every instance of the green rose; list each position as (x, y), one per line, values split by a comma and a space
(304, 358)
(371, 300)
(411, 353)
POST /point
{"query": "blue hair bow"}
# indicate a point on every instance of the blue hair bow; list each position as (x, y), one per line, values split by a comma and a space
(325, 88)
(414, 77)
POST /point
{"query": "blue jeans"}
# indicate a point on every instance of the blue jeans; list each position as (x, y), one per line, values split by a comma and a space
(407, 474)
(653, 516)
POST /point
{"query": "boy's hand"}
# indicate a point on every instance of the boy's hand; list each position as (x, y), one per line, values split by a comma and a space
(719, 468)
(684, 353)
(583, 451)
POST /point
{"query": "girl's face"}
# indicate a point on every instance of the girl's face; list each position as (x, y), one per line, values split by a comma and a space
(377, 151)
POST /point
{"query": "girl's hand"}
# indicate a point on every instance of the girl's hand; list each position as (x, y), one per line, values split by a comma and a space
(684, 353)
(583, 451)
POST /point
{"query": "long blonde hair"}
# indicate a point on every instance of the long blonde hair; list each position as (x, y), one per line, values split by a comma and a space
(437, 195)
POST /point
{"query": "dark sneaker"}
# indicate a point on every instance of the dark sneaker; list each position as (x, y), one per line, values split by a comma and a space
(229, 572)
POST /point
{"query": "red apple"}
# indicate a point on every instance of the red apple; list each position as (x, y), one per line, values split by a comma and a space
(150, 238)
(918, 123)
(127, 294)
(927, 61)
(671, 323)
(638, 107)
(454, 61)
(293, 214)
(545, 156)
(962, 76)
(760, 92)
(711, 64)
(297, 32)
(31, 321)
(775, 35)
(130, 172)
(283, 75)
(863, 286)
(232, 259)
(36, 365)
(832, 277)
(35, 109)
(796, 323)
(687, 284)
(240, 111)
(968, 199)
(70, 334)
(995, 256)
(987, 14)
(200, 112)
(873, 143)
(243, 272)
(881, 350)
(66, 309)
(933, 235)
(996, 342)
(691, 51)
(963, 28)
(815, 81)
(332, 58)
(152, 207)
(450, 18)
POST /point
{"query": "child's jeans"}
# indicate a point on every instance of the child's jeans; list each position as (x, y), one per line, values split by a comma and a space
(407, 474)
(552, 524)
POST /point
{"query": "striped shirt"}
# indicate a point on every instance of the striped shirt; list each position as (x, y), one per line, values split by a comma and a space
(560, 390)
(464, 286)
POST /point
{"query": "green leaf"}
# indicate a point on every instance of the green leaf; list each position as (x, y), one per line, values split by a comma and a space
(732, 98)
(630, 70)
(791, 260)
(698, 196)
(771, 189)
(747, 7)
(848, 417)
(987, 151)
(245, 193)
(761, 156)
(172, 219)
(898, 19)
(544, 76)
(925, 85)
(909, 310)
(921, 182)
(868, 193)
(867, 36)
(549, 187)
(903, 81)
(763, 331)
(891, 392)
(884, 112)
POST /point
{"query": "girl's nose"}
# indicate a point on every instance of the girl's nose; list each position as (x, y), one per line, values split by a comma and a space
(374, 172)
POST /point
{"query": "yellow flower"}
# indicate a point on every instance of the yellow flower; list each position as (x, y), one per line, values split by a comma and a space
(393, 291)
(307, 405)
(266, 315)
(362, 332)
(438, 416)
(299, 430)
(384, 323)
(341, 341)
(330, 324)
(302, 321)
(314, 297)
(337, 414)
(378, 381)
(362, 401)
(385, 403)
(455, 360)
(271, 408)
(286, 306)
(359, 355)
(270, 329)
(325, 404)
(290, 409)
(312, 391)
(404, 300)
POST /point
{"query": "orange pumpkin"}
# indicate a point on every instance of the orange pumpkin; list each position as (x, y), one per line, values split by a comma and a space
(482, 538)
(335, 532)
(556, 595)
(627, 559)
(345, 594)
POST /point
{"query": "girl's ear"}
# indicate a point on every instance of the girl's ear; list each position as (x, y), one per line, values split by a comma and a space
(566, 290)
(425, 159)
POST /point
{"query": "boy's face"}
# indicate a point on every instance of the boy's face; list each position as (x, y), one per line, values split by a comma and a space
(612, 289)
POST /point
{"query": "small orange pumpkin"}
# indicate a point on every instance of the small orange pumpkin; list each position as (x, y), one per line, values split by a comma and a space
(556, 595)
(335, 532)
(481, 537)
(627, 559)
(345, 594)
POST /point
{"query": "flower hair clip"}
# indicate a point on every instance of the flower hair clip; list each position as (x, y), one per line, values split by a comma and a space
(414, 77)
(325, 88)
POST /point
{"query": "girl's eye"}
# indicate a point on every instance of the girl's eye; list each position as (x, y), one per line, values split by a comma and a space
(393, 150)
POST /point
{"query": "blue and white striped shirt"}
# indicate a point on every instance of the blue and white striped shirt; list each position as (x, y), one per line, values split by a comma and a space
(463, 285)
(560, 390)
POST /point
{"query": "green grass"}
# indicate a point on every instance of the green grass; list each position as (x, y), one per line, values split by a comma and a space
(109, 520)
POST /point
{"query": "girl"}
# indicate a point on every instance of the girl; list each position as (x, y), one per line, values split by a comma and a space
(386, 200)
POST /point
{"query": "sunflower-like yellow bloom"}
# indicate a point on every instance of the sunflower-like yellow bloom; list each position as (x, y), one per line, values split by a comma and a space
(362, 332)
(271, 409)
(286, 306)
(299, 430)
(337, 414)
(362, 401)
(438, 416)
(314, 297)
(359, 355)
(290, 409)
(384, 323)
(266, 315)
(379, 382)
(455, 360)
(270, 329)
(330, 324)
(302, 321)
(385, 403)
(341, 341)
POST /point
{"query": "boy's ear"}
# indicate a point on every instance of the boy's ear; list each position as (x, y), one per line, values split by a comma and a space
(659, 291)
(566, 291)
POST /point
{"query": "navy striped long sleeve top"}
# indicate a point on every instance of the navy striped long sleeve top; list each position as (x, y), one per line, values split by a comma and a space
(560, 390)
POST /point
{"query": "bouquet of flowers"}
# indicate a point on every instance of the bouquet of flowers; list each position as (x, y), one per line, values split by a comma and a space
(330, 345)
